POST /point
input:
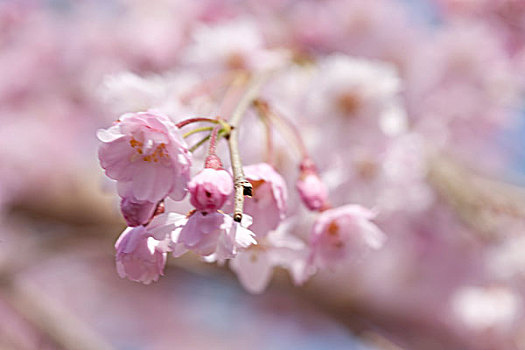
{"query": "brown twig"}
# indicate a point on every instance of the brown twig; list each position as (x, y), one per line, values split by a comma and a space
(241, 185)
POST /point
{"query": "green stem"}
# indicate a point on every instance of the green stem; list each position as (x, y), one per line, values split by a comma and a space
(194, 131)
(200, 143)
(220, 133)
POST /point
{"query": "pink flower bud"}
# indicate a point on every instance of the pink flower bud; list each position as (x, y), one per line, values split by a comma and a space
(210, 188)
(312, 191)
(137, 212)
(140, 257)
(213, 162)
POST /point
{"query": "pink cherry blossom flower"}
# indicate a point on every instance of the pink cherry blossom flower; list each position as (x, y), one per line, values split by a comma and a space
(359, 94)
(341, 233)
(232, 45)
(210, 188)
(255, 264)
(140, 257)
(267, 206)
(147, 156)
(166, 227)
(214, 235)
(137, 212)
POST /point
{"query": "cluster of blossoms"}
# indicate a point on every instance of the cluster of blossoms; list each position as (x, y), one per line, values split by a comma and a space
(147, 156)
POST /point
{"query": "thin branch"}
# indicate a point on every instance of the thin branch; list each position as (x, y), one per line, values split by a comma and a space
(196, 120)
(247, 99)
(241, 185)
(49, 317)
(483, 204)
(284, 125)
(234, 93)
(267, 123)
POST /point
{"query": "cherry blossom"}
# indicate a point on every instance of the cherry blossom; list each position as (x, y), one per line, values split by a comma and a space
(140, 257)
(147, 156)
(267, 206)
(233, 45)
(254, 265)
(214, 235)
(341, 233)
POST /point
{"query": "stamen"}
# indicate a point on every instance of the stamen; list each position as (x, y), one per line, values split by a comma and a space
(333, 229)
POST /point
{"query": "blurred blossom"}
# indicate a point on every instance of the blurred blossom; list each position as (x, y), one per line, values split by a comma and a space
(312, 191)
(506, 260)
(486, 308)
(268, 203)
(254, 266)
(340, 234)
(233, 45)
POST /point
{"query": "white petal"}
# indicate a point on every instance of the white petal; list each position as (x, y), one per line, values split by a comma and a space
(253, 269)
(372, 235)
(108, 135)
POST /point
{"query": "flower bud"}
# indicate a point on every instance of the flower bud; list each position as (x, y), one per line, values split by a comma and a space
(213, 162)
(210, 188)
(311, 189)
(137, 212)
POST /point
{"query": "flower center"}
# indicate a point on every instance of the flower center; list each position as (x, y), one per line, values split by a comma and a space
(333, 232)
(367, 169)
(158, 153)
(333, 228)
(236, 61)
(348, 103)
(255, 185)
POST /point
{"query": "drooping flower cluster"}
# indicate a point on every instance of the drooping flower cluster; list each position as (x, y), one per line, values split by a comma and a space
(362, 123)
(146, 154)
